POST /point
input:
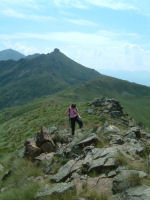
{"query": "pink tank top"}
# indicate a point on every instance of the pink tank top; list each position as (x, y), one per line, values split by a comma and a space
(73, 112)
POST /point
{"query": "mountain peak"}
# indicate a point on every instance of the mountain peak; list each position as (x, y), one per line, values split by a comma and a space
(56, 50)
(10, 54)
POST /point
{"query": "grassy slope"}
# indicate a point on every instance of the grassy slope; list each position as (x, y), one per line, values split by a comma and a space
(27, 79)
(135, 98)
(21, 122)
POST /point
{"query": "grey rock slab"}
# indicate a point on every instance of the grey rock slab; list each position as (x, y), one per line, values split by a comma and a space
(111, 174)
(45, 156)
(98, 163)
(90, 111)
(110, 129)
(134, 132)
(101, 163)
(133, 147)
(116, 139)
(49, 190)
(145, 135)
(52, 129)
(89, 140)
(66, 170)
(104, 157)
(138, 193)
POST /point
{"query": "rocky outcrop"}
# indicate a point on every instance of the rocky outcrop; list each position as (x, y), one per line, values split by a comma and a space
(95, 160)
(55, 189)
(92, 139)
(109, 106)
(42, 143)
(31, 150)
(45, 142)
(66, 170)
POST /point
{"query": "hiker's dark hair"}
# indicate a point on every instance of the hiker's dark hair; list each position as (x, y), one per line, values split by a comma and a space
(73, 106)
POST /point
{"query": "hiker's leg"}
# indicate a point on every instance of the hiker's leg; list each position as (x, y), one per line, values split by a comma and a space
(69, 121)
(79, 121)
(73, 125)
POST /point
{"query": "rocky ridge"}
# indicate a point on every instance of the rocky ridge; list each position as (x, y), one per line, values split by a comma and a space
(101, 159)
(110, 159)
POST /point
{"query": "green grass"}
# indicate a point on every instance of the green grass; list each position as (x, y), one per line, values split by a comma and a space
(121, 159)
(134, 180)
(17, 186)
(23, 192)
(21, 170)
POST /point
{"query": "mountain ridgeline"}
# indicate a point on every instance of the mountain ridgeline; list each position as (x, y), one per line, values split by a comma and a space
(24, 80)
(10, 54)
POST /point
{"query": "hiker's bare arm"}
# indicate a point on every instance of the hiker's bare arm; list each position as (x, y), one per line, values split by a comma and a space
(67, 112)
(79, 115)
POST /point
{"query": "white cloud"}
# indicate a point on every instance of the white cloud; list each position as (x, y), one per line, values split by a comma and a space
(16, 14)
(82, 22)
(96, 50)
(71, 3)
(111, 4)
(34, 4)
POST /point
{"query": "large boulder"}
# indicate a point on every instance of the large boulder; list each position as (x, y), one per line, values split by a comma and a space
(45, 142)
(54, 189)
(65, 171)
(31, 150)
(101, 159)
(133, 133)
(107, 129)
(45, 159)
(91, 139)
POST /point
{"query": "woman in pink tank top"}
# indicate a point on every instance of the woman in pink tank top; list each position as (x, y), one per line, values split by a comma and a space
(74, 117)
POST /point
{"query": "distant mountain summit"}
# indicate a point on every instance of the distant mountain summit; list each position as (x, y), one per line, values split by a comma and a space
(10, 54)
(39, 75)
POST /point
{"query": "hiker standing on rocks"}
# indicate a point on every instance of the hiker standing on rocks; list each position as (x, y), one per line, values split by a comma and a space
(74, 117)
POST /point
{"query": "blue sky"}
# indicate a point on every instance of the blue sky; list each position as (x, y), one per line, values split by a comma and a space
(101, 34)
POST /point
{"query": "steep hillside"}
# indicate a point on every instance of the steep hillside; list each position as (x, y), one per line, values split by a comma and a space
(107, 160)
(106, 86)
(27, 79)
(134, 97)
(10, 54)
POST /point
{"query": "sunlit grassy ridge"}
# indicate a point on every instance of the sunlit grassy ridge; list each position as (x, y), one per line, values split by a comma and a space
(19, 123)
(23, 122)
